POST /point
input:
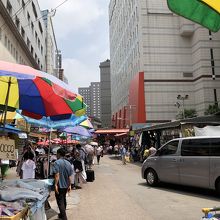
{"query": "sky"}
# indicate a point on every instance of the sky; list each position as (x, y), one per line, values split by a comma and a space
(81, 29)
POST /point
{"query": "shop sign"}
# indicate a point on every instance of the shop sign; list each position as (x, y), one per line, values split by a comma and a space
(7, 149)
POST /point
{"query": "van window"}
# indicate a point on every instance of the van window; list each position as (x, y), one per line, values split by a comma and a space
(215, 147)
(195, 147)
(169, 148)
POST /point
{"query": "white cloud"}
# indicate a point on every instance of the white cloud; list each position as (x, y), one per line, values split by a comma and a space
(73, 15)
(79, 74)
(81, 28)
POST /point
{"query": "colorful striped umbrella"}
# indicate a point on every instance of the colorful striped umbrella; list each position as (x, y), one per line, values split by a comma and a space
(203, 12)
(37, 93)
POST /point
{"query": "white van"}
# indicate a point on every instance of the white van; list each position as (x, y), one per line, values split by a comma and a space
(193, 161)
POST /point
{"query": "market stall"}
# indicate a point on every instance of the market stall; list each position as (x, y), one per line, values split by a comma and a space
(23, 199)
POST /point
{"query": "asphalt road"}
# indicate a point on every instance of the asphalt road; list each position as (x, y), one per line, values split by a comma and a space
(119, 193)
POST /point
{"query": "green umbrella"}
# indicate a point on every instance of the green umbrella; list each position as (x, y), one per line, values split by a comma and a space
(201, 12)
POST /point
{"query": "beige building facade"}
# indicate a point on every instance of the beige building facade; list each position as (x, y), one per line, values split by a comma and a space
(26, 34)
(174, 54)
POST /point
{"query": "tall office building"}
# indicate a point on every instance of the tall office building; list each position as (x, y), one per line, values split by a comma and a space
(86, 94)
(105, 78)
(95, 99)
(156, 56)
(26, 35)
(91, 96)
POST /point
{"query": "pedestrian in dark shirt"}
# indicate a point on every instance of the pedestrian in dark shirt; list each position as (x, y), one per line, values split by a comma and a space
(63, 171)
(78, 169)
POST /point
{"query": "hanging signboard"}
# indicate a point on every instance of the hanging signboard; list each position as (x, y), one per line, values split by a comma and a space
(7, 149)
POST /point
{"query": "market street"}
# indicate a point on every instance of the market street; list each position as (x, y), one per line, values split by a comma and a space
(119, 193)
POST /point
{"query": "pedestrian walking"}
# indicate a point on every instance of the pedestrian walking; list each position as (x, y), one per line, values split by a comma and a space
(28, 167)
(28, 151)
(89, 155)
(123, 153)
(146, 154)
(152, 150)
(63, 172)
(83, 156)
(99, 153)
(78, 169)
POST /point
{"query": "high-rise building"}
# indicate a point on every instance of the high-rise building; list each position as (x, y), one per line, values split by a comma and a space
(91, 96)
(156, 56)
(95, 99)
(105, 78)
(26, 35)
(86, 94)
(53, 55)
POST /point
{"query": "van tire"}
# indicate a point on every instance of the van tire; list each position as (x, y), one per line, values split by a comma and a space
(151, 177)
(217, 186)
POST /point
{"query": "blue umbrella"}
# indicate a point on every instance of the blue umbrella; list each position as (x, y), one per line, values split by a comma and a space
(77, 130)
(50, 123)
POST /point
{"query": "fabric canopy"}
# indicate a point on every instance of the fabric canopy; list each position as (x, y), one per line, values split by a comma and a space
(112, 131)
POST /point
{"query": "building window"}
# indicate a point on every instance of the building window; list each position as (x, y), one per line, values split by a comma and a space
(32, 27)
(16, 55)
(36, 36)
(17, 22)
(41, 49)
(35, 57)
(9, 7)
(34, 10)
(23, 4)
(28, 42)
(22, 32)
(40, 27)
(39, 43)
(32, 50)
(28, 17)
(0, 33)
(9, 44)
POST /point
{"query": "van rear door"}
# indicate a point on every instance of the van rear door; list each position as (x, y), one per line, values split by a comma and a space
(195, 162)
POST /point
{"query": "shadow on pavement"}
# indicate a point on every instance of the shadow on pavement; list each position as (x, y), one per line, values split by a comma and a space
(114, 157)
(185, 190)
(118, 157)
(50, 213)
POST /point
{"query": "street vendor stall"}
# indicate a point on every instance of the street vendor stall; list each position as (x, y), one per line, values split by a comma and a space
(23, 198)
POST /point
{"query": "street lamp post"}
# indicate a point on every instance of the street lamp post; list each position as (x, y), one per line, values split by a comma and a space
(130, 112)
(183, 98)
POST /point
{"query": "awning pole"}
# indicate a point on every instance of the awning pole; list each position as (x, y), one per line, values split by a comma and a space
(6, 103)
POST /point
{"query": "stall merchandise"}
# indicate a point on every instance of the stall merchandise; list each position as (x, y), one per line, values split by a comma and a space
(17, 195)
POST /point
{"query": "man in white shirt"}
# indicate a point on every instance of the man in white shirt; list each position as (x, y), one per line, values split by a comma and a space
(40, 149)
(28, 168)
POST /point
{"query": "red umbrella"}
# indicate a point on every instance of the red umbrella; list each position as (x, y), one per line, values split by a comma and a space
(44, 143)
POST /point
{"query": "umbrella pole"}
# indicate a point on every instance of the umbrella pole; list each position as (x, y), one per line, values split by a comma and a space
(6, 103)
(48, 158)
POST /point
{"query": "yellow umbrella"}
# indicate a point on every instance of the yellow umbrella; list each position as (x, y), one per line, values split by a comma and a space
(215, 4)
